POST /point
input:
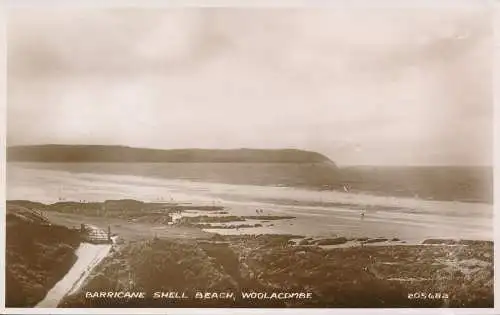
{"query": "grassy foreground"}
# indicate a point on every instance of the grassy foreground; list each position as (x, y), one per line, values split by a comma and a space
(186, 260)
(38, 254)
(370, 276)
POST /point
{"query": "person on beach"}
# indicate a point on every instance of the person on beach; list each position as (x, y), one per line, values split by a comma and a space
(346, 188)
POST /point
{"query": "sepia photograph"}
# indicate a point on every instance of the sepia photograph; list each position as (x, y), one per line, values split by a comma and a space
(249, 157)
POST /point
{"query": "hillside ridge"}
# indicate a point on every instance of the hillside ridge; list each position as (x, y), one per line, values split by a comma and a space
(105, 153)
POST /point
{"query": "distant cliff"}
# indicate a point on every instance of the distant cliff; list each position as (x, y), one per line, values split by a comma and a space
(100, 153)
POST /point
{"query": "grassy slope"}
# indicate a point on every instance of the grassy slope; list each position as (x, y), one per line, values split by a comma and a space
(156, 265)
(348, 277)
(37, 256)
(125, 208)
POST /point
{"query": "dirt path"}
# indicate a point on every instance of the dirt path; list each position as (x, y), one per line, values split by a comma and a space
(89, 256)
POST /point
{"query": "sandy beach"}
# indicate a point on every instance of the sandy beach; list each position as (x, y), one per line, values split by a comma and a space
(316, 213)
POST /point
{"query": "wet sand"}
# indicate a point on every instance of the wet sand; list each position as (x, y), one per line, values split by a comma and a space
(324, 214)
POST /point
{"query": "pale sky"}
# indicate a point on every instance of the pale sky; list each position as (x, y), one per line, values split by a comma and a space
(377, 86)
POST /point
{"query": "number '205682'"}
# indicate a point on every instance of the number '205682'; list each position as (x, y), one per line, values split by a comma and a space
(427, 295)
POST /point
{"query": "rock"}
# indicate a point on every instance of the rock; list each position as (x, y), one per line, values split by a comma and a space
(440, 241)
(332, 241)
(375, 240)
(304, 242)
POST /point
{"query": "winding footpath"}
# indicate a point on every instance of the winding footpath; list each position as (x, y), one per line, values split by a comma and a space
(88, 257)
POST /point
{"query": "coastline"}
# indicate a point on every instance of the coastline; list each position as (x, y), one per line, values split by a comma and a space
(229, 263)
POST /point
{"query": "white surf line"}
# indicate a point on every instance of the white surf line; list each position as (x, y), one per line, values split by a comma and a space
(89, 256)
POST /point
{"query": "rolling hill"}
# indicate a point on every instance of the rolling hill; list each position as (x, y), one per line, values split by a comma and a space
(122, 154)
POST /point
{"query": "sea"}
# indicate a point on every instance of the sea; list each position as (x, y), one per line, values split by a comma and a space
(411, 203)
